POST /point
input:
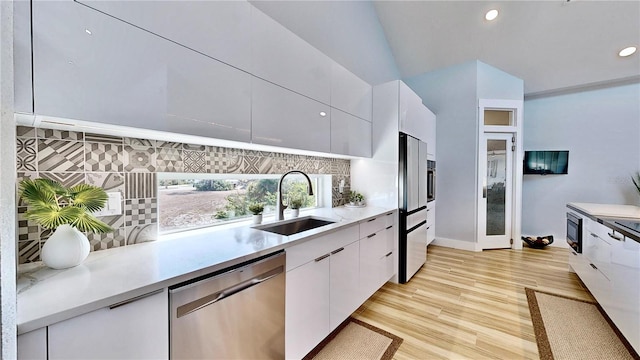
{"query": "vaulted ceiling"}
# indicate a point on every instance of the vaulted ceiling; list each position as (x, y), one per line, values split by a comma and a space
(551, 45)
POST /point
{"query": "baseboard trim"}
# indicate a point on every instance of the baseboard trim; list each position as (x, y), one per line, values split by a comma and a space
(457, 244)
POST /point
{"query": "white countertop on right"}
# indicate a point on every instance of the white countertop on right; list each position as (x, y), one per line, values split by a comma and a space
(609, 210)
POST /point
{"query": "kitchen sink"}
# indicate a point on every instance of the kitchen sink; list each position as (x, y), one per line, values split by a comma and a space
(294, 226)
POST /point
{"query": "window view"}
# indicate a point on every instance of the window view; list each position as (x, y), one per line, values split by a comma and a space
(189, 202)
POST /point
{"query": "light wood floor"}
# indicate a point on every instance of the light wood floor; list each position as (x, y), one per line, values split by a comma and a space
(471, 305)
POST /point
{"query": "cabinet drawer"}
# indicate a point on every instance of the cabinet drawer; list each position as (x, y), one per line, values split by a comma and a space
(314, 248)
(376, 224)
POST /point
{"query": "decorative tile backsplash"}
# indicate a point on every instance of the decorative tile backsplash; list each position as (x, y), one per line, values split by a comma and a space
(130, 166)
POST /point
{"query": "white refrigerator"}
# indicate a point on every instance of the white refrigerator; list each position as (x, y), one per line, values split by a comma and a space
(412, 204)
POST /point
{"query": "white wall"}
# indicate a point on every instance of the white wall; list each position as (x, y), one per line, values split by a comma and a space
(601, 130)
(451, 94)
(7, 187)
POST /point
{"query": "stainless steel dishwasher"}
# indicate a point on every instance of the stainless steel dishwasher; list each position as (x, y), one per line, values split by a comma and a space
(236, 313)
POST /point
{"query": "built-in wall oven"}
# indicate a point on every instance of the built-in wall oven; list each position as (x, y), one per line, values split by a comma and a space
(431, 180)
(574, 232)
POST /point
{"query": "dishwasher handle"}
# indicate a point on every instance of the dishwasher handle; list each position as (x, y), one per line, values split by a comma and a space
(196, 305)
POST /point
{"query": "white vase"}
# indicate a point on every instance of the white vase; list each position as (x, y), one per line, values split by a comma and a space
(295, 212)
(257, 219)
(67, 247)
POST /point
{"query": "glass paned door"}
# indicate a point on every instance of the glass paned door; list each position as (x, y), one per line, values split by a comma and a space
(496, 194)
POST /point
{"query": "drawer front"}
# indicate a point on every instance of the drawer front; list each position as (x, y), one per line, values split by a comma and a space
(372, 226)
(308, 251)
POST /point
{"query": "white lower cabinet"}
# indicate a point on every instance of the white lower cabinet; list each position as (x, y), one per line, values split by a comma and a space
(138, 329)
(307, 307)
(344, 283)
(33, 345)
(610, 268)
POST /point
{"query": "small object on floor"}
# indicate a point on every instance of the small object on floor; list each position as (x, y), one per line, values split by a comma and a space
(539, 242)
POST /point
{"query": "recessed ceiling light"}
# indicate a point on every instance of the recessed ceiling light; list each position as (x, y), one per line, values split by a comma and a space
(322, 113)
(87, 31)
(627, 51)
(491, 14)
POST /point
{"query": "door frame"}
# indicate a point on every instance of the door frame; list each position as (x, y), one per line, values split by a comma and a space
(517, 108)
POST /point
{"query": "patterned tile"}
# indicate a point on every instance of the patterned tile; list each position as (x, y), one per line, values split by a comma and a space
(25, 132)
(169, 160)
(110, 182)
(168, 144)
(103, 157)
(26, 154)
(257, 162)
(140, 212)
(136, 143)
(194, 161)
(234, 160)
(341, 167)
(194, 147)
(66, 179)
(310, 164)
(140, 185)
(142, 233)
(59, 134)
(116, 140)
(27, 229)
(285, 162)
(106, 241)
(139, 158)
(217, 160)
(60, 155)
(115, 221)
(28, 251)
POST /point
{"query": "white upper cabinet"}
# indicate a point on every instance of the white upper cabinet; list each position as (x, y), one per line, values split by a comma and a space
(431, 134)
(220, 29)
(412, 113)
(90, 66)
(281, 57)
(349, 93)
(350, 135)
(283, 118)
(23, 99)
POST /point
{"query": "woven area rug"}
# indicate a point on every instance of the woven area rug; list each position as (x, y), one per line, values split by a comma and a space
(568, 328)
(354, 339)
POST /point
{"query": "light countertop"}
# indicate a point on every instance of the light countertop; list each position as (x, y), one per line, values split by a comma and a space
(47, 296)
(609, 215)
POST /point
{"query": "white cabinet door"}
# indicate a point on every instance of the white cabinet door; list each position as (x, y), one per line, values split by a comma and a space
(307, 307)
(22, 70)
(283, 118)
(220, 29)
(350, 135)
(33, 345)
(90, 66)
(344, 280)
(135, 330)
(280, 56)
(411, 111)
(431, 133)
(349, 93)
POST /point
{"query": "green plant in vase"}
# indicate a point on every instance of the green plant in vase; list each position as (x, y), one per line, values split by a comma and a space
(68, 211)
(256, 209)
(295, 204)
(356, 198)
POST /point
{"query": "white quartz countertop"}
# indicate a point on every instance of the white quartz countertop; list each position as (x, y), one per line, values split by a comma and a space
(608, 210)
(47, 296)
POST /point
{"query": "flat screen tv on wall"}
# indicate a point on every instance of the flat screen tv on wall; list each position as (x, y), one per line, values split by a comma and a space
(546, 162)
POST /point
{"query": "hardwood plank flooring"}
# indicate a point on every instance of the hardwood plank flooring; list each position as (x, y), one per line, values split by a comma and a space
(471, 305)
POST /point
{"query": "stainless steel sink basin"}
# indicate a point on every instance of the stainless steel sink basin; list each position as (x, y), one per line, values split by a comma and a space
(294, 226)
